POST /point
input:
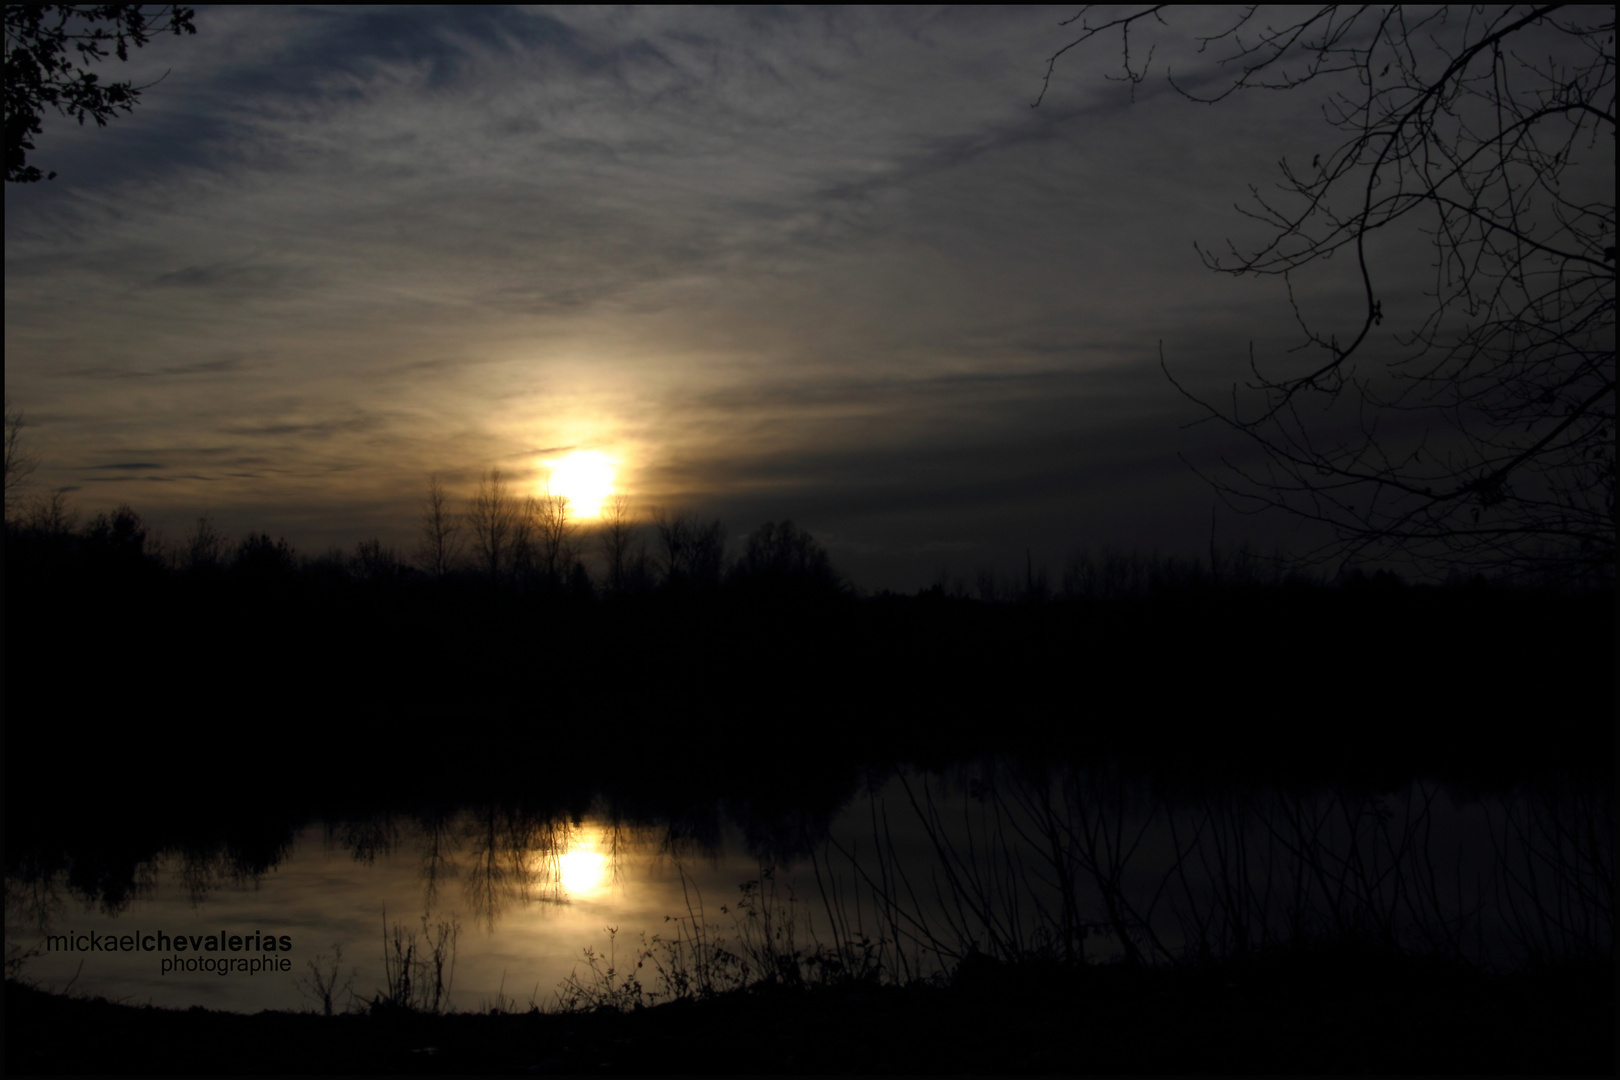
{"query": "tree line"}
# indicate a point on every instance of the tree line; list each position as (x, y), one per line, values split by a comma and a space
(534, 540)
(521, 542)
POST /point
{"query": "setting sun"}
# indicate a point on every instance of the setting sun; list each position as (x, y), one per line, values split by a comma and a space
(585, 477)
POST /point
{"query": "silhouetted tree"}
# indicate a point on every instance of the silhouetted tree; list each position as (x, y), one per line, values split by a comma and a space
(781, 556)
(118, 539)
(51, 517)
(554, 537)
(1037, 588)
(378, 564)
(19, 462)
(40, 71)
(579, 581)
(205, 546)
(694, 554)
(987, 584)
(615, 536)
(1484, 433)
(332, 570)
(708, 554)
(524, 557)
(442, 541)
(675, 537)
(261, 560)
(493, 518)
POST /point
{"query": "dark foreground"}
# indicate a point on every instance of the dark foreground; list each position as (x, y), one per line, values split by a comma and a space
(1320, 1013)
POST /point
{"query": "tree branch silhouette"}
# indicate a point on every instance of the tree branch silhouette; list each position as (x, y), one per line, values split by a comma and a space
(20, 462)
(40, 71)
(1482, 435)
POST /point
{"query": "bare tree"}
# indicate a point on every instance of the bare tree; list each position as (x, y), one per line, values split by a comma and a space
(442, 540)
(615, 536)
(51, 515)
(554, 537)
(525, 557)
(205, 546)
(675, 530)
(1479, 432)
(780, 555)
(708, 562)
(321, 983)
(694, 553)
(493, 518)
(376, 563)
(20, 463)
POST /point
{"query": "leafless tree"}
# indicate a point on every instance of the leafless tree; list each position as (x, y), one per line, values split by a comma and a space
(554, 537)
(694, 553)
(709, 554)
(205, 546)
(1479, 432)
(442, 541)
(321, 983)
(20, 463)
(615, 535)
(780, 554)
(675, 529)
(492, 517)
(51, 515)
(377, 563)
(525, 558)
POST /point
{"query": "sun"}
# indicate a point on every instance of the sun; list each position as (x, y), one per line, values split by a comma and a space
(585, 478)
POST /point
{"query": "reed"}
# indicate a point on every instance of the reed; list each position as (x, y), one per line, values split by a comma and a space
(1061, 868)
(419, 972)
(321, 983)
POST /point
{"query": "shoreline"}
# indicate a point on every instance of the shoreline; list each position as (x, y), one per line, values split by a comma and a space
(1320, 1010)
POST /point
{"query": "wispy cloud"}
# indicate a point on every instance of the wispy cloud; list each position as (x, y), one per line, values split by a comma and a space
(819, 263)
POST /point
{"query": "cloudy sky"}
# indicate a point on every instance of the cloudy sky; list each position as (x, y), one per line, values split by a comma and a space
(824, 265)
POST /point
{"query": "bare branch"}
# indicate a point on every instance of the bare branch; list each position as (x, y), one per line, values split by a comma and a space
(1483, 435)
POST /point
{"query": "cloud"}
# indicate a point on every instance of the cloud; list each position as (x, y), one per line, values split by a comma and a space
(825, 264)
(318, 429)
(229, 283)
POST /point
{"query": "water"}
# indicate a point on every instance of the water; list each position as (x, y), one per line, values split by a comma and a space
(914, 871)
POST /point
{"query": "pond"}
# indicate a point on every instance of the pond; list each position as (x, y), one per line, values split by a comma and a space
(914, 873)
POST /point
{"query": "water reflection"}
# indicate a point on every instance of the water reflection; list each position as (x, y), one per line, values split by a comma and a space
(917, 873)
(582, 870)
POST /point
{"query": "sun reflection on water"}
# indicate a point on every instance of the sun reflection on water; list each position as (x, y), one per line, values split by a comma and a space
(582, 869)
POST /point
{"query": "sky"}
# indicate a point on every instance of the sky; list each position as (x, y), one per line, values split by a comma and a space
(825, 265)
